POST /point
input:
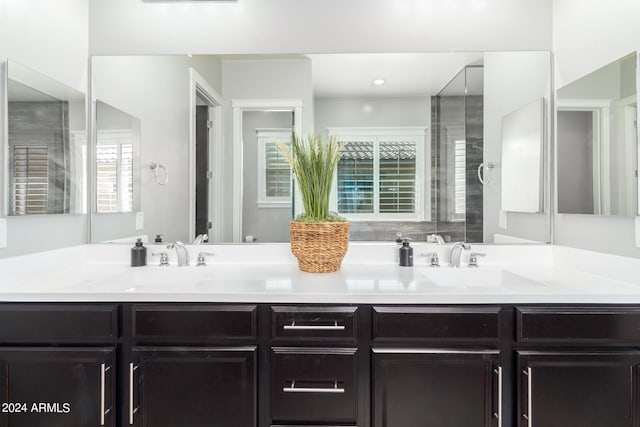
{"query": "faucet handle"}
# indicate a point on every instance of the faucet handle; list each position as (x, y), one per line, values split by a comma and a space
(164, 258)
(473, 259)
(202, 261)
(435, 238)
(434, 260)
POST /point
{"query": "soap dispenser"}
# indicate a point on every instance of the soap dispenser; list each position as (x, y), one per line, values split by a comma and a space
(138, 254)
(406, 254)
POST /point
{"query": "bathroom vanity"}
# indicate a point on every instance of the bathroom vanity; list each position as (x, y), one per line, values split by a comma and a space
(507, 344)
(167, 364)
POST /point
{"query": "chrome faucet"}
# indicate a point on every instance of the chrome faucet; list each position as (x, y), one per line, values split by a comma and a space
(435, 238)
(200, 239)
(181, 252)
(456, 251)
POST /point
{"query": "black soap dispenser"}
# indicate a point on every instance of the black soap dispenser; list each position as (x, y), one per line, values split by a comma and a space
(406, 254)
(138, 254)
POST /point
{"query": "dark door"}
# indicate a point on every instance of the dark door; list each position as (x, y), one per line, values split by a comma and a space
(202, 169)
(561, 389)
(57, 387)
(436, 388)
(194, 387)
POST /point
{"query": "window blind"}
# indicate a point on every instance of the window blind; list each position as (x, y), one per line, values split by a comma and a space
(277, 172)
(397, 176)
(30, 179)
(460, 165)
(356, 177)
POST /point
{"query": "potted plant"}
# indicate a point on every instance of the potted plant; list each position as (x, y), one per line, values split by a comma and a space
(319, 238)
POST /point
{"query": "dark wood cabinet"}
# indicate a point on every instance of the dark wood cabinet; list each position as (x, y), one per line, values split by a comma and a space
(57, 387)
(436, 387)
(262, 365)
(578, 388)
(193, 386)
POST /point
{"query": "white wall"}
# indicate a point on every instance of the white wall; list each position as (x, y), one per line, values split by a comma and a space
(260, 79)
(511, 81)
(319, 26)
(156, 90)
(365, 112)
(588, 34)
(52, 38)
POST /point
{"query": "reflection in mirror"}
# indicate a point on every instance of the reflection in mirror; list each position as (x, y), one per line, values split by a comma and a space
(267, 206)
(415, 139)
(46, 144)
(117, 163)
(522, 162)
(597, 142)
(117, 169)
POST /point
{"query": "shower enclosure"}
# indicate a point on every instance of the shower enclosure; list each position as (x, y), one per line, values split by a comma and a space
(457, 151)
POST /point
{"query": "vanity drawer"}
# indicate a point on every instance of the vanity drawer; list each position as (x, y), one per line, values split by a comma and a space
(193, 322)
(436, 323)
(323, 323)
(313, 385)
(58, 323)
(571, 324)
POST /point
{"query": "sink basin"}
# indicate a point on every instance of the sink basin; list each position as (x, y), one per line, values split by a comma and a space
(476, 278)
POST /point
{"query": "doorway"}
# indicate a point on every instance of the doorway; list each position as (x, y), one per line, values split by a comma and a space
(205, 163)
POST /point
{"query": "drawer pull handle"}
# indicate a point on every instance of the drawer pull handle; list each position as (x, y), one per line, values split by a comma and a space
(499, 414)
(132, 410)
(103, 379)
(294, 389)
(334, 327)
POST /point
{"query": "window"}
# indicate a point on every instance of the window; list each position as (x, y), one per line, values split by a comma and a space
(382, 173)
(457, 159)
(30, 179)
(114, 171)
(274, 171)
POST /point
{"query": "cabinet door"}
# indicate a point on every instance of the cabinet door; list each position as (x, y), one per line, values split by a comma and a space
(57, 387)
(586, 389)
(192, 386)
(443, 388)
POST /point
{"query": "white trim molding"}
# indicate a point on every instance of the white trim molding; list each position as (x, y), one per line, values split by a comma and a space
(199, 86)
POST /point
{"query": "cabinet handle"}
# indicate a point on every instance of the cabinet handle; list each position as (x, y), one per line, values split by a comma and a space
(132, 410)
(103, 392)
(334, 327)
(529, 416)
(499, 396)
(294, 389)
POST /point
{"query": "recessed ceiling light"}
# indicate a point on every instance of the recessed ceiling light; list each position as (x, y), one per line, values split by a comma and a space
(378, 82)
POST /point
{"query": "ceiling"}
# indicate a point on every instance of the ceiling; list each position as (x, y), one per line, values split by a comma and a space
(405, 74)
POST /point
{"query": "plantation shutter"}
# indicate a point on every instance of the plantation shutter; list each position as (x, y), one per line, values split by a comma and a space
(460, 165)
(107, 178)
(277, 172)
(114, 171)
(356, 177)
(397, 176)
(30, 179)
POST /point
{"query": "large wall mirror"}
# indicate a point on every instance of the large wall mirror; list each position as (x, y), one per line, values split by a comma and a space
(416, 129)
(46, 170)
(597, 142)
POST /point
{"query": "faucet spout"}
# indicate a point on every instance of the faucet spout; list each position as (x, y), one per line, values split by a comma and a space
(181, 252)
(456, 252)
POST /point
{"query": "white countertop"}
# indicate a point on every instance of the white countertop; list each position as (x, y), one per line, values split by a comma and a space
(95, 279)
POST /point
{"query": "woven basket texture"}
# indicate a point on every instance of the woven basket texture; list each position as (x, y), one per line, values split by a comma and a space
(319, 246)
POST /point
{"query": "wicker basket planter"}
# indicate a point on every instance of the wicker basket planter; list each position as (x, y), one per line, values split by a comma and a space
(319, 246)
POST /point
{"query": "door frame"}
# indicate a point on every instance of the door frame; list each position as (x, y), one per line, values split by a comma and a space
(239, 106)
(199, 86)
(600, 108)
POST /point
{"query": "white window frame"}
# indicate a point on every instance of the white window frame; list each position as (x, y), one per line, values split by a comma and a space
(423, 169)
(269, 136)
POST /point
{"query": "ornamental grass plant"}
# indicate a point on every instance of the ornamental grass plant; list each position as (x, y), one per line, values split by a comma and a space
(314, 163)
